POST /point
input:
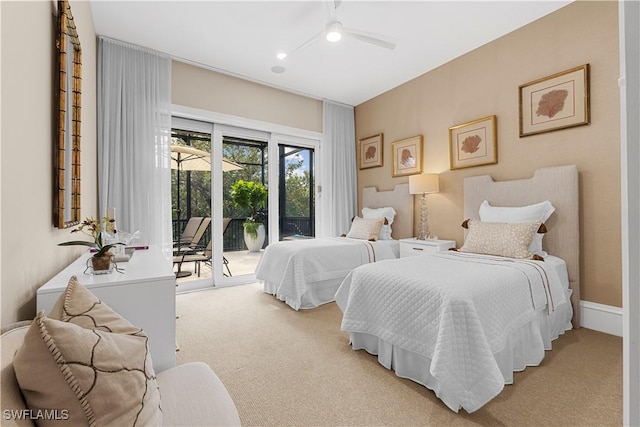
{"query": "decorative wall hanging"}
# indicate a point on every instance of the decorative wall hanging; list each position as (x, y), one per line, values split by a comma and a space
(406, 156)
(473, 143)
(555, 102)
(370, 152)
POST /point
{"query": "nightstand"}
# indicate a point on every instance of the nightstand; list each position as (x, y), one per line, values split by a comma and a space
(413, 246)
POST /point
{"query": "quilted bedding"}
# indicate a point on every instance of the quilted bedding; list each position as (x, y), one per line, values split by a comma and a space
(307, 273)
(457, 310)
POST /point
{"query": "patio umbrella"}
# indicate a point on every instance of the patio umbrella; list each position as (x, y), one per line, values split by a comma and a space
(187, 158)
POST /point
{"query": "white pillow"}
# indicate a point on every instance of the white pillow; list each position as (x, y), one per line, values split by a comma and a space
(388, 212)
(366, 229)
(536, 212)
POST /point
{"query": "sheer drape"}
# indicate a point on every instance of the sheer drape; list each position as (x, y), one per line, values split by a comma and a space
(339, 169)
(134, 137)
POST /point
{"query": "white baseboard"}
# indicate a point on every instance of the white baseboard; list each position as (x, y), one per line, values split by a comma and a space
(600, 317)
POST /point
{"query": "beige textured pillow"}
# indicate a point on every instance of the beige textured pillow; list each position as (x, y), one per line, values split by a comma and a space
(81, 307)
(367, 229)
(92, 363)
(503, 239)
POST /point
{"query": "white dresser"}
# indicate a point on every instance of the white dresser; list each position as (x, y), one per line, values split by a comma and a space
(413, 246)
(145, 294)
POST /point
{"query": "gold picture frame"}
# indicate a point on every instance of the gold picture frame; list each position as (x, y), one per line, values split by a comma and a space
(559, 101)
(406, 156)
(474, 143)
(370, 153)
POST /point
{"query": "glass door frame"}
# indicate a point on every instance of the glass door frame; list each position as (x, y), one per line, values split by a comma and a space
(193, 125)
(279, 134)
(274, 171)
(217, 196)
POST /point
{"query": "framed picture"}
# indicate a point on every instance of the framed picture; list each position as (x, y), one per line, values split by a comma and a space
(473, 143)
(370, 152)
(407, 156)
(556, 102)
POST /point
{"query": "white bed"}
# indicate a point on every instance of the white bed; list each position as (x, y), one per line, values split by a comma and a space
(306, 273)
(461, 323)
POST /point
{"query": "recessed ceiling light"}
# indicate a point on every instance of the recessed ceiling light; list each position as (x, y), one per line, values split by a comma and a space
(278, 69)
(281, 55)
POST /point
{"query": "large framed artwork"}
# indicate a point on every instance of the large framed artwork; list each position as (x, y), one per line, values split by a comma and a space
(370, 152)
(473, 143)
(407, 156)
(555, 102)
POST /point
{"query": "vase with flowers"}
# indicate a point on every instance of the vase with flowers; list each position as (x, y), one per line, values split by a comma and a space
(101, 259)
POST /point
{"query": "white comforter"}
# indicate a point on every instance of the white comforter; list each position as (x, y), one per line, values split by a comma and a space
(307, 273)
(456, 309)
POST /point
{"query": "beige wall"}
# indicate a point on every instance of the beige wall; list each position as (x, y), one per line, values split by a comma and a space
(29, 255)
(28, 239)
(481, 83)
(208, 90)
(485, 82)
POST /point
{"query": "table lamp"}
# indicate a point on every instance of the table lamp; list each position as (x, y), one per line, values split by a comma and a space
(424, 184)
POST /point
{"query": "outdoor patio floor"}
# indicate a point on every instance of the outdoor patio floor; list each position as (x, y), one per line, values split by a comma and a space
(240, 263)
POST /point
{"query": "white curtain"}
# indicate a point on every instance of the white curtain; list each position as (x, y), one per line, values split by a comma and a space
(339, 193)
(134, 137)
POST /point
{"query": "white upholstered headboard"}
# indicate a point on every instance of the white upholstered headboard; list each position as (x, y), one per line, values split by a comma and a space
(400, 199)
(557, 184)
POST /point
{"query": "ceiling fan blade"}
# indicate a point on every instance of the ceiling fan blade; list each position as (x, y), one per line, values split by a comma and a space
(369, 38)
(305, 44)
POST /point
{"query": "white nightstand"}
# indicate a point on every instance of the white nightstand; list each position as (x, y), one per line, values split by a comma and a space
(413, 247)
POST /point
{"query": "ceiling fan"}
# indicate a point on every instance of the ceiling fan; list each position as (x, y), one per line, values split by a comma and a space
(334, 31)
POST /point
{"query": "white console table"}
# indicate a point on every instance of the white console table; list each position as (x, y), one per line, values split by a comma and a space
(145, 294)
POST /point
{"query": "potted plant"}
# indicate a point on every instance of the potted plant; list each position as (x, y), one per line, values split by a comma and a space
(251, 196)
(101, 259)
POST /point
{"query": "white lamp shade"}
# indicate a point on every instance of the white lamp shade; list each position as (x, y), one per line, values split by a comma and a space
(424, 183)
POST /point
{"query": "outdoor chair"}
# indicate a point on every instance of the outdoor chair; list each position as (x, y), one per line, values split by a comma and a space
(189, 230)
(194, 242)
(200, 257)
(189, 247)
(199, 254)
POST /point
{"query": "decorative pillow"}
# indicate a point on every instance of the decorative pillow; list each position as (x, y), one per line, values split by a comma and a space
(79, 306)
(388, 212)
(539, 211)
(88, 359)
(367, 229)
(501, 239)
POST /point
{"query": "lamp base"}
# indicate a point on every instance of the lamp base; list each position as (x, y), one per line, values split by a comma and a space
(427, 236)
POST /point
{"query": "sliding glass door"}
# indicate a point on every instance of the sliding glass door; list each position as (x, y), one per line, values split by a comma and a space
(241, 195)
(191, 197)
(296, 201)
(216, 166)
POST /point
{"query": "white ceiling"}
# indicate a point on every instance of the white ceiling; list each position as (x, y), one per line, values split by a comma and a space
(241, 38)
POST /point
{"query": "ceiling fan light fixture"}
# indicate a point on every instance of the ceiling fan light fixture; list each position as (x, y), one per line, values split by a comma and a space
(334, 36)
(333, 32)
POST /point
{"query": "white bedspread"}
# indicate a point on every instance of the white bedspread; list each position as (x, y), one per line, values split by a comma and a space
(307, 273)
(455, 309)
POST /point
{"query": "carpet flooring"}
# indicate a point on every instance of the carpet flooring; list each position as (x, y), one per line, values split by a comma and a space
(288, 368)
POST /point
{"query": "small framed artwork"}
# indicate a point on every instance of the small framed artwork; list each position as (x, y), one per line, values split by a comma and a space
(407, 156)
(473, 143)
(370, 152)
(555, 102)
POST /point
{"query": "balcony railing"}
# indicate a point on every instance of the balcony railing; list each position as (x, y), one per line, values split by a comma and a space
(233, 239)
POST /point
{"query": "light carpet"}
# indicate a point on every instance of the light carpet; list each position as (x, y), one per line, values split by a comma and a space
(296, 368)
